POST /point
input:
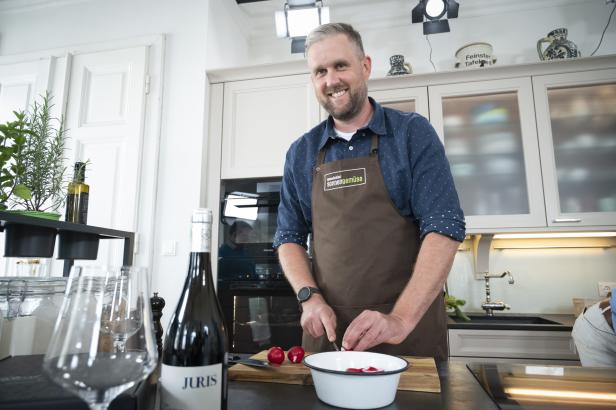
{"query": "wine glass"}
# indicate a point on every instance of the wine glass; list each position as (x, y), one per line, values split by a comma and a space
(79, 358)
(122, 317)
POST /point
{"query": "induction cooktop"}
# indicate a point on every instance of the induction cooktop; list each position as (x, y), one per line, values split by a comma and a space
(547, 387)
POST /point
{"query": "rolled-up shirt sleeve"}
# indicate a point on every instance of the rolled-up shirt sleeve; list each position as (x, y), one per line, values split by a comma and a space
(434, 198)
(292, 225)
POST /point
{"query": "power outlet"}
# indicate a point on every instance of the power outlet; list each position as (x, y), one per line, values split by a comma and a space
(605, 288)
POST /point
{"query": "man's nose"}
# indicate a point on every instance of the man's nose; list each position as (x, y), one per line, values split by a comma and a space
(332, 78)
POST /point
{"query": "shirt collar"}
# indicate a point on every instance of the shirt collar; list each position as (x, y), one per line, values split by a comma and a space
(376, 124)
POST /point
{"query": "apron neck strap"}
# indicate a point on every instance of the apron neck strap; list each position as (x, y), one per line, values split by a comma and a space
(374, 148)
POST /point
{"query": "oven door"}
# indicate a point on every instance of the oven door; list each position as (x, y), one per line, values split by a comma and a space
(259, 316)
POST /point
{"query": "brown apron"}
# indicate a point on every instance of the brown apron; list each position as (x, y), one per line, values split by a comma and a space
(364, 253)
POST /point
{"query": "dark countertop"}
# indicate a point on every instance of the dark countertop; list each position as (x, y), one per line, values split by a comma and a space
(24, 387)
(565, 323)
(459, 391)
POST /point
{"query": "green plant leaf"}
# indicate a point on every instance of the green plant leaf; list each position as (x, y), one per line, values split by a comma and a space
(23, 192)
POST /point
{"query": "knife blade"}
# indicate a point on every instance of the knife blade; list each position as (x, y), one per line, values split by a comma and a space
(253, 362)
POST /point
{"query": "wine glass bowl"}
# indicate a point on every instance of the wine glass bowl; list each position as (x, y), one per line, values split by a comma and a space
(99, 303)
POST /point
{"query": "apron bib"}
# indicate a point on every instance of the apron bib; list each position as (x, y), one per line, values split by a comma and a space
(364, 253)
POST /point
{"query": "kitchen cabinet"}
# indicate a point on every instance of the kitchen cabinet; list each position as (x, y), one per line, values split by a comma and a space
(261, 118)
(576, 120)
(532, 147)
(488, 129)
(411, 99)
(512, 344)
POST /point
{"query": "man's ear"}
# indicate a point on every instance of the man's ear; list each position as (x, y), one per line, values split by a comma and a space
(367, 66)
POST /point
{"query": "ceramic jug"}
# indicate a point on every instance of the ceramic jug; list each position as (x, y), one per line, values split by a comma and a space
(398, 66)
(559, 46)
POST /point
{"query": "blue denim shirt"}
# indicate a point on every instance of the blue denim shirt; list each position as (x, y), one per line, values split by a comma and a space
(413, 164)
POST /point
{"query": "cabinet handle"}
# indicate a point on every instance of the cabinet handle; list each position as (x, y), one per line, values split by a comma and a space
(561, 220)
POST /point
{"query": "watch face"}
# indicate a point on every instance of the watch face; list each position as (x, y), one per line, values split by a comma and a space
(303, 294)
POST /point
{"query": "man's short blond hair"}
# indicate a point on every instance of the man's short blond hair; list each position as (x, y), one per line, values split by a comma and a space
(331, 29)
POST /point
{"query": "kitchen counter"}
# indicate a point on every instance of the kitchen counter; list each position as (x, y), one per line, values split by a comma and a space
(24, 387)
(565, 323)
(459, 391)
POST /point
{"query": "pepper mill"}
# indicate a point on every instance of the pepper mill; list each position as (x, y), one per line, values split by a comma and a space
(158, 304)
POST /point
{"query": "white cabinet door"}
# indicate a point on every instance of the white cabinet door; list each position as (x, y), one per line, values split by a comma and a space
(576, 120)
(488, 129)
(104, 118)
(261, 119)
(413, 99)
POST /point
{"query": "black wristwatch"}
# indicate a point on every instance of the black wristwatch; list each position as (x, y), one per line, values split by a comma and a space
(305, 293)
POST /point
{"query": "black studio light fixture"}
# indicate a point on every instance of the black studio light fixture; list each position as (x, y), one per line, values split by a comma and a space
(432, 14)
(297, 19)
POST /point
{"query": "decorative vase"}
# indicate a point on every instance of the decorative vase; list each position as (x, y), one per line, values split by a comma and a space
(398, 66)
(559, 46)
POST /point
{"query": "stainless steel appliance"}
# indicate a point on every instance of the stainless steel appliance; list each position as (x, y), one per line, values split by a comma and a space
(259, 305)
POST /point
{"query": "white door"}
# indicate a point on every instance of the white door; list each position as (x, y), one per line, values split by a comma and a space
(104, 118)
(20, 84)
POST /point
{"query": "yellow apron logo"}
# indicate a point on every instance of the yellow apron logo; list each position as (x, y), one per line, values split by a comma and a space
(344, 179)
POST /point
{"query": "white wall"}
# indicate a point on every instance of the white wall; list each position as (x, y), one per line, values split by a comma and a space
(546, 280)
(514, 36)
(183, 98)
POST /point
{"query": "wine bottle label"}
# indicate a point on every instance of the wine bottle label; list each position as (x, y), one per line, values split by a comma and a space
(188, 388)
(201, 236)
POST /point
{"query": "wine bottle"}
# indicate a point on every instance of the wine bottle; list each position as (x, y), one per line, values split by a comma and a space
(193, 373)
(77, 196)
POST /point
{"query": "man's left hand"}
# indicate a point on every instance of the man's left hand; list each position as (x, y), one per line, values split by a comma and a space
(372, 328)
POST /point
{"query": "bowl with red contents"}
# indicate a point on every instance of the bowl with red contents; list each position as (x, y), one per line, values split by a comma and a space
(356, 380)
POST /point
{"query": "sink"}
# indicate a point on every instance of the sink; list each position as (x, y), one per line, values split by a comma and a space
(513, 320)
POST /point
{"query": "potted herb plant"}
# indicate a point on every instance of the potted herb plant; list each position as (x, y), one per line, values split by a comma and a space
(40, 162)
(12, 138)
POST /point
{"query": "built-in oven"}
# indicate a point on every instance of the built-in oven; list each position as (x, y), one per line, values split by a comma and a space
(259, 305)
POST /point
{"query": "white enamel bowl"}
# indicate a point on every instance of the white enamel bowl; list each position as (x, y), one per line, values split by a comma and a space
(337, 387)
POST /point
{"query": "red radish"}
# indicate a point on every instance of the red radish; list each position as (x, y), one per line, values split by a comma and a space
(296, 354)
(353, 370)
(275, 355)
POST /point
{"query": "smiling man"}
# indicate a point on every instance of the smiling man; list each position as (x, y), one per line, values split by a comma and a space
(374, 188)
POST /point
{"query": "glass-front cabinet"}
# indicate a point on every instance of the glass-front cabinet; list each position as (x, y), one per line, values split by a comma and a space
(413, 99)
(576, 119)
(488, 129)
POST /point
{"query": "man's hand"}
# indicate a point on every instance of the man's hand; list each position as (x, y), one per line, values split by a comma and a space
(318, 316)
(372, 328)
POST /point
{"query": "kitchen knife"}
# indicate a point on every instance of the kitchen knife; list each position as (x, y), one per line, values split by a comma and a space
(253, 362)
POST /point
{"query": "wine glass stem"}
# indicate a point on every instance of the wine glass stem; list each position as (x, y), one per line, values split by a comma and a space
(119, 346)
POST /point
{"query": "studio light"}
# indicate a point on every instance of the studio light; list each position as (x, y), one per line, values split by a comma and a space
(298, 19)
(433, 11)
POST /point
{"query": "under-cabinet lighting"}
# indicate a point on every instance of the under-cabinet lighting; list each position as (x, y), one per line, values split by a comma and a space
(561, 394)
(554, 235)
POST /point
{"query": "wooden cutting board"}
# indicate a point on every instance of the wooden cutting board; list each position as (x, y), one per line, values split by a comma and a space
(420, 376)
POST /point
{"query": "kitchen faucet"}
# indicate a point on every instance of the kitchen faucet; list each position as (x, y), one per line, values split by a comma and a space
(488, 305)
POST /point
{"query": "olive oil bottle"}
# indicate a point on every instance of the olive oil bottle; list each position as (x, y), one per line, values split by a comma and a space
(77, 196)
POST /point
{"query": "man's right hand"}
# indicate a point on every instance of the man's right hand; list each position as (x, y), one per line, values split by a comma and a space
(318, 318)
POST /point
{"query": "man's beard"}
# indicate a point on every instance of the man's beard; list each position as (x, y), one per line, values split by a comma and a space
(349, 110)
